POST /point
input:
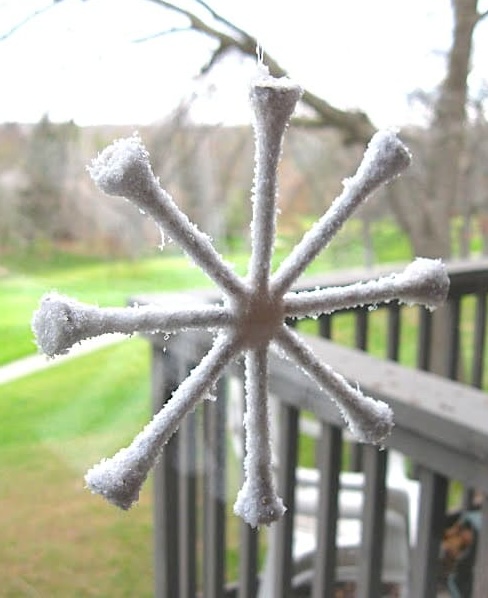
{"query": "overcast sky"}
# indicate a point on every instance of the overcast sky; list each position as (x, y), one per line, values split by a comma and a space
(79, 60)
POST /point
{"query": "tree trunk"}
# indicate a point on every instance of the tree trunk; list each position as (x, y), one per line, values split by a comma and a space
(447, 148)
(448, 128)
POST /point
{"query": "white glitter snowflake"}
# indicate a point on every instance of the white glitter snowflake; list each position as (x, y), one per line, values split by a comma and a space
(252, 317)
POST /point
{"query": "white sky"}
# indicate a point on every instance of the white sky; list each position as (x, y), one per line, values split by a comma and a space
(78, 61)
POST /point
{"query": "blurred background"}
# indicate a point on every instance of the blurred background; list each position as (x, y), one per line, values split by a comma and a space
(75, 75)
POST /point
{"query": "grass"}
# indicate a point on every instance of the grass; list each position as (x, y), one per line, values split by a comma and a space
(57, 539)
(111, 282)
(102, 282)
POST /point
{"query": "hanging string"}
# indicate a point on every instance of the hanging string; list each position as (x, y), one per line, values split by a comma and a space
(262, 69)
(260, 54)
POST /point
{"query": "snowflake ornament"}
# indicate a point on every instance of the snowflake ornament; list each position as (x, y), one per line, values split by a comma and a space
(255, 308)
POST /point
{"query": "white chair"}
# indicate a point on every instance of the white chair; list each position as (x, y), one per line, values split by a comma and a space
(400, 519)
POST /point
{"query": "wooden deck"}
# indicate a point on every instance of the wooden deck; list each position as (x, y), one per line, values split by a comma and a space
(441, 427)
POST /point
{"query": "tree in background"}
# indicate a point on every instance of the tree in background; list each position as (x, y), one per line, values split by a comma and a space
(12, 150)
(428, 223)
(439, 184)
(473, 199)
(435, 188)
(46, 172)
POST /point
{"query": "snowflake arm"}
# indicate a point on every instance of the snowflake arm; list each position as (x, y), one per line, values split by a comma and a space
(369, 420)
(257, 502)
(61, 321)
(123, 169)
(385, 158)
(423, 282)
(273, 102)
(254, 310)
(119, 479)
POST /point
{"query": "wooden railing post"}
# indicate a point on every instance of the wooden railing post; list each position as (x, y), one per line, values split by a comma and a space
(430, 531)
(282, 531)
(329, 466)
(166, 500)
(370, 563)
(248, 564)
(215, 493)
(187, 508)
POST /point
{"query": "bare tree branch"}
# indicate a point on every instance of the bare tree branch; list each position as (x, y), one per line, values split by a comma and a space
(481, 16)
(147, 38)
(197, 23)
(27, 19)
(356, 126)
(214, 58)
(222, 19)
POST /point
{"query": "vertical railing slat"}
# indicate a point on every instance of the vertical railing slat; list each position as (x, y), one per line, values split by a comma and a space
(165, 372)
(329, 469)
(361, 329)
(214, 447)
(325, 326)
(424, 339)
(188, 506)
(452, 349)
(281, 536)
(394, 328)
(430, 531)
(373, 523)
(479, 341)
(481, 569)
(248, 564)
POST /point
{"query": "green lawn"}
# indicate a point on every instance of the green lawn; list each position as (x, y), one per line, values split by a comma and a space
(111, 282)
(102, 282)
(57, 539)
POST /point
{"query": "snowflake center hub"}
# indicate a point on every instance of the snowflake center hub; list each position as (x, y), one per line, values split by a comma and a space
(259, 318)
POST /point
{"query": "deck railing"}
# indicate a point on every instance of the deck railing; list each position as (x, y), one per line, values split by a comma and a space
(441, 425)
